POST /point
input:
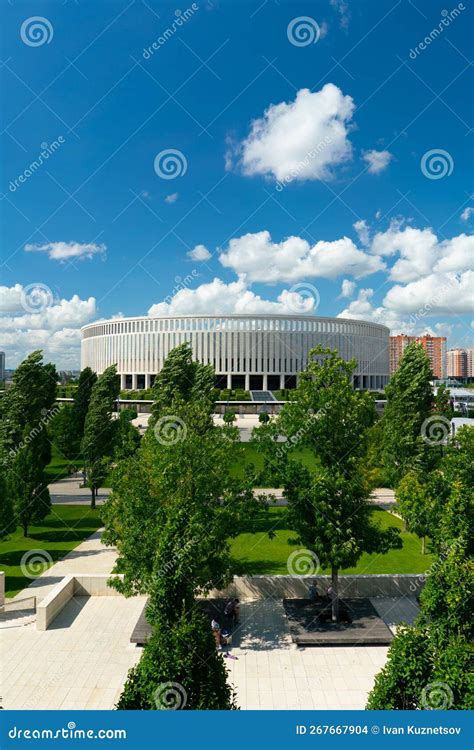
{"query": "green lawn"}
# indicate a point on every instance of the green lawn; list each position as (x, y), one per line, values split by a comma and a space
(58, 534)
(59, 467)
(258, 554)
(251, 457)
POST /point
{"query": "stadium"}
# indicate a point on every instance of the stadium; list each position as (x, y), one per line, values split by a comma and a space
(250, 352)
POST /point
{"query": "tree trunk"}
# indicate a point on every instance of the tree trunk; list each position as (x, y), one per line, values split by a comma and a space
(335, 594)
(25, 528)
(93, 491)
(423, 545)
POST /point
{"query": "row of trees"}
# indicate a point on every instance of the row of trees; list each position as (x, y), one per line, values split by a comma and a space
(83, 432)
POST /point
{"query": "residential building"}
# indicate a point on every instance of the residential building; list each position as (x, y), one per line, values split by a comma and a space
(434, 346)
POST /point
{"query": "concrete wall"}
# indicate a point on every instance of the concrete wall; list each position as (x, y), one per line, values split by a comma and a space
(52, 604)
(294, 587)
(2, 589)
(62, 593)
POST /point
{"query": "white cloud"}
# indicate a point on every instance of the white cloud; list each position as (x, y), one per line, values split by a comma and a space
(377, 160)
(342, 8)
(55, 329)
(219, 298)
(172, 198)
(421, 252)
(302, 140)
(467, 213)
(63, 251)
(260, 259)
(362, 231)
(199, 253)
(347, 289)
(445, 294)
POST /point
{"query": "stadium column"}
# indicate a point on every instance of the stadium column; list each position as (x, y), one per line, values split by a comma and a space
(134, 382)
(122, 381)
(247, 382)
(282, 382)
(265, 382)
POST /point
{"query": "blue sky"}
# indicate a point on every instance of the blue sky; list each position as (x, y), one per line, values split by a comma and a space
(106, 234)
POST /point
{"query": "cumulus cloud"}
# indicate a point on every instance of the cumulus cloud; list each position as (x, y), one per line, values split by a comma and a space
(63, 251)
(199, 253)
(219, 298)
(347, 289)
(362, 231)
(292, 259)
(303, 139)
(53, 325)
(172, 198)
(421, 252)
(377, 160)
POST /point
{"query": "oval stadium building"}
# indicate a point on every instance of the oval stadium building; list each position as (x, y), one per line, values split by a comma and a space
(251, 352)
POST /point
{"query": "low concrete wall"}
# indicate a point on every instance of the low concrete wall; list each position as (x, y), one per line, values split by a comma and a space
(54, 602)
(295, 587)
(72, 585)
(95, 585)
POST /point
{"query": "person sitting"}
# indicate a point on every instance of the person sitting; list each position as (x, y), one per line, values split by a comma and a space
(216, 631)
(232, 609)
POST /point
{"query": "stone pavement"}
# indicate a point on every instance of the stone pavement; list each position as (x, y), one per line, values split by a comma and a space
(80, 662)
(270, 672)
(68, 491)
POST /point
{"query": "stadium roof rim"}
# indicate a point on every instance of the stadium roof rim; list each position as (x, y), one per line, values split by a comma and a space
(255, 316)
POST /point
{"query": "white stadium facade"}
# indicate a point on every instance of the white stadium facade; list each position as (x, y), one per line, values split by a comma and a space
(251, 352)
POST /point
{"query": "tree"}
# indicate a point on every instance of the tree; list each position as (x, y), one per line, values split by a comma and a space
(29, 487)
(127, 438)
(330, 509)
(263, 417)
(24, 445)
(175, 500)
(7, 517)
(67, 428)
(429, 662)
(229, 417)
(97, 444)
(409, 404)
(179, 669)
(182, 379)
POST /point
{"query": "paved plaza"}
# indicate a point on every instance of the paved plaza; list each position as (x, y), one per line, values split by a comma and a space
(82, 660)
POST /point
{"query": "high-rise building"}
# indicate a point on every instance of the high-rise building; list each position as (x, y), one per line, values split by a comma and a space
(2, 366)
(434, 346)
(456, 360)
(460, 363)
(470, 363)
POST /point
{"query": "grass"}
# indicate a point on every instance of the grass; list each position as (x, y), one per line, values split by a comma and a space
(61, 531)
(250, 457)
(59, 467)
(255, 553)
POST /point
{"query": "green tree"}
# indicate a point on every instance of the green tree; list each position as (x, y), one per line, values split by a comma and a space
(7, 516)
(429, 662)
(182, 379)
(97, 444)
(24, 445)
(179, 669)
(29, 488)
(127, 438)
(409, 404)
(330, 509)
(229, 417)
